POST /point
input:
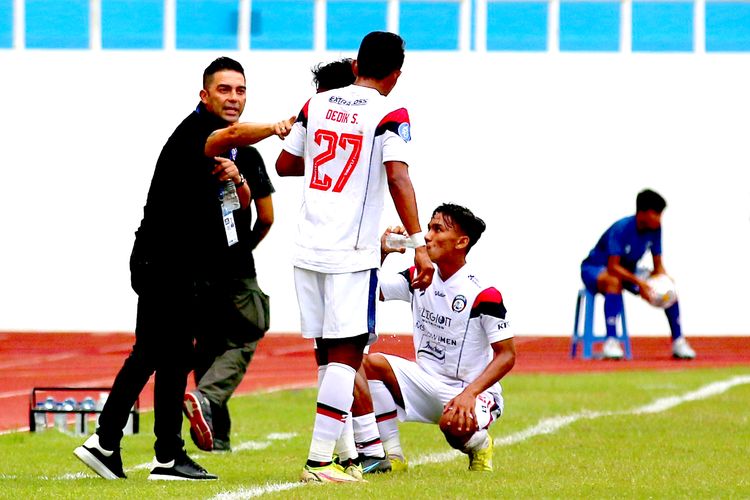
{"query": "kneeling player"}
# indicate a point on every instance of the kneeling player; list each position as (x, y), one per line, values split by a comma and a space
(463, 346)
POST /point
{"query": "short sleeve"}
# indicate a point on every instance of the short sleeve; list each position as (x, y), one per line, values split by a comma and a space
(396, 286)
(396, 130)
(615, 241)
(294, 143)
(656, 247)
(490, 309)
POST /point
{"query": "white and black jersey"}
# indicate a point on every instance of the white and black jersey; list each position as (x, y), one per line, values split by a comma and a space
(454, 322)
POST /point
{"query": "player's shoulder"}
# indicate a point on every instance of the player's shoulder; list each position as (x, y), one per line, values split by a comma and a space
(475, 286)
(624, 223)
(395, 119)
(489, 302)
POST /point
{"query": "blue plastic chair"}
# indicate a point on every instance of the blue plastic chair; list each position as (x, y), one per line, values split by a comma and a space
(585, 303)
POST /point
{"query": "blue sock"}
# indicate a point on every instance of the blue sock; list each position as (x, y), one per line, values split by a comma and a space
(673, 316)
(612, 309)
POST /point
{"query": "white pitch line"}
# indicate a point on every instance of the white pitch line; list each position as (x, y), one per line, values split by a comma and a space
(256, 491)
(544, 426)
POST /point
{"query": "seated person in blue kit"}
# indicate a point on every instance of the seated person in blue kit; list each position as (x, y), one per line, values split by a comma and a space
(611, 266)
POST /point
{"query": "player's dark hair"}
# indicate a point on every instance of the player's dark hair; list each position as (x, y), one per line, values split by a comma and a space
(380, 54)
(471, 225)
(650, 200)
(221, 64)
(333, 75)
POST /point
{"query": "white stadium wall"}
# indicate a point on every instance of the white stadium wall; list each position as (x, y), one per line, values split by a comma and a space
(548, 148)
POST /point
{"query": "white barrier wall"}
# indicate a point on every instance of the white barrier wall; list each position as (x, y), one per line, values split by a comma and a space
(548, 148)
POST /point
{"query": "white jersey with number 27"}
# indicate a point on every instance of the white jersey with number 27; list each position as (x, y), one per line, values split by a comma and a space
(345, 135)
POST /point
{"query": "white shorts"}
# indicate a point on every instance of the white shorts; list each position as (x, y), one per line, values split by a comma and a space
(425, 396)
(336, 306)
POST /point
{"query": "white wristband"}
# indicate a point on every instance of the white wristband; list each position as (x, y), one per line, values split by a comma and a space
(417, 240)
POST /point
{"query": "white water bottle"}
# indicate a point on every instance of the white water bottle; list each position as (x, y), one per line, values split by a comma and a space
(61, 419)
(396, 241)
(82, 419)
(100, 405)
(40, 417)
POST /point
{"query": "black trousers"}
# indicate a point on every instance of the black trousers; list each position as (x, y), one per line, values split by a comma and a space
(164, 346)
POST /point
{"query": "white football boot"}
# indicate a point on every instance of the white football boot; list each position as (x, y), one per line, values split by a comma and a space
(681, 349)
(612, 349)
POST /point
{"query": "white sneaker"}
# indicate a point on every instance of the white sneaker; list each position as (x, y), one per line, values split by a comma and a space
(612, 349)
(681, 349)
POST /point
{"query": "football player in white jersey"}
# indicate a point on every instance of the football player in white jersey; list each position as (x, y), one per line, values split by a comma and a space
(462, 341)
(348, 144)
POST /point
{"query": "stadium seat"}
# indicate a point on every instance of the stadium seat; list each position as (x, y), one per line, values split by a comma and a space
(584, 333)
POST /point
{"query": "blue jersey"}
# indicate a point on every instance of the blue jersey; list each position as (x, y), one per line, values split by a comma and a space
(624, 240)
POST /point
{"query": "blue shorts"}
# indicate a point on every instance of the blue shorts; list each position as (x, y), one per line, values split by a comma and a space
(590, 273)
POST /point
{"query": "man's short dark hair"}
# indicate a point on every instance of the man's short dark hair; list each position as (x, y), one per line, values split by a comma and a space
(380, 54)
(221, 64)
(650, 200)
(333, 75)
(471, 225)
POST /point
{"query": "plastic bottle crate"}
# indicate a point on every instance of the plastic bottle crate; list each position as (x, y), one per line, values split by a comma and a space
(40, 410)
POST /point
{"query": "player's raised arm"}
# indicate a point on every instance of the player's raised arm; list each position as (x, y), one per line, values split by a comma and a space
(402, 192)
(244, 134)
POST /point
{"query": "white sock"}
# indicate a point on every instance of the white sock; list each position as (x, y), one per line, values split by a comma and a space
(345, 446)
(367, 436)
(478, 441)
(386, 417)
(321, 374)
(334, 402)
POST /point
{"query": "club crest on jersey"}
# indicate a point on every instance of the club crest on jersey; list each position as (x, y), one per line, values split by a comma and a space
(404, 131)
(459, 303)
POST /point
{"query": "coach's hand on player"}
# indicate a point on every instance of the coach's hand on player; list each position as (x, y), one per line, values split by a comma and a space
(459, 414)
(226, 170)
(282, 128)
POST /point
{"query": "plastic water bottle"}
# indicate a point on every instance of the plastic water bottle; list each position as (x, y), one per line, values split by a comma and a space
(100, 405)
(61, 420)
(88, 404)
(396, 241)
(40, 418)
(49, 403)
(82, 421)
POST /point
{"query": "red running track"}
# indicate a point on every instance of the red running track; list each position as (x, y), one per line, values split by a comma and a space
(29, 360)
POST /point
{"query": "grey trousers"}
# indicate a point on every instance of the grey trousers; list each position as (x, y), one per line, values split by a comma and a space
(221, 379)
(234, 318)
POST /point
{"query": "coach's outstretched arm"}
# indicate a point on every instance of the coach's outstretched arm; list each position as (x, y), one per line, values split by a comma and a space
(244, 134)
(402, 192)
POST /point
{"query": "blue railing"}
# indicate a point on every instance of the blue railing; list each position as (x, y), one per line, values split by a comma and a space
(445, 25)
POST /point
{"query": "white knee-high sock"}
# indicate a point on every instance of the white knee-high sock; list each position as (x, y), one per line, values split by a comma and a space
(386, 417)
(367, 436)
(345, 445)
(321, 374)
(334, 403)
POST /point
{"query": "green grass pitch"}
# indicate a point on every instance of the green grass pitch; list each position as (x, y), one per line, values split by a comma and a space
(562, 436)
